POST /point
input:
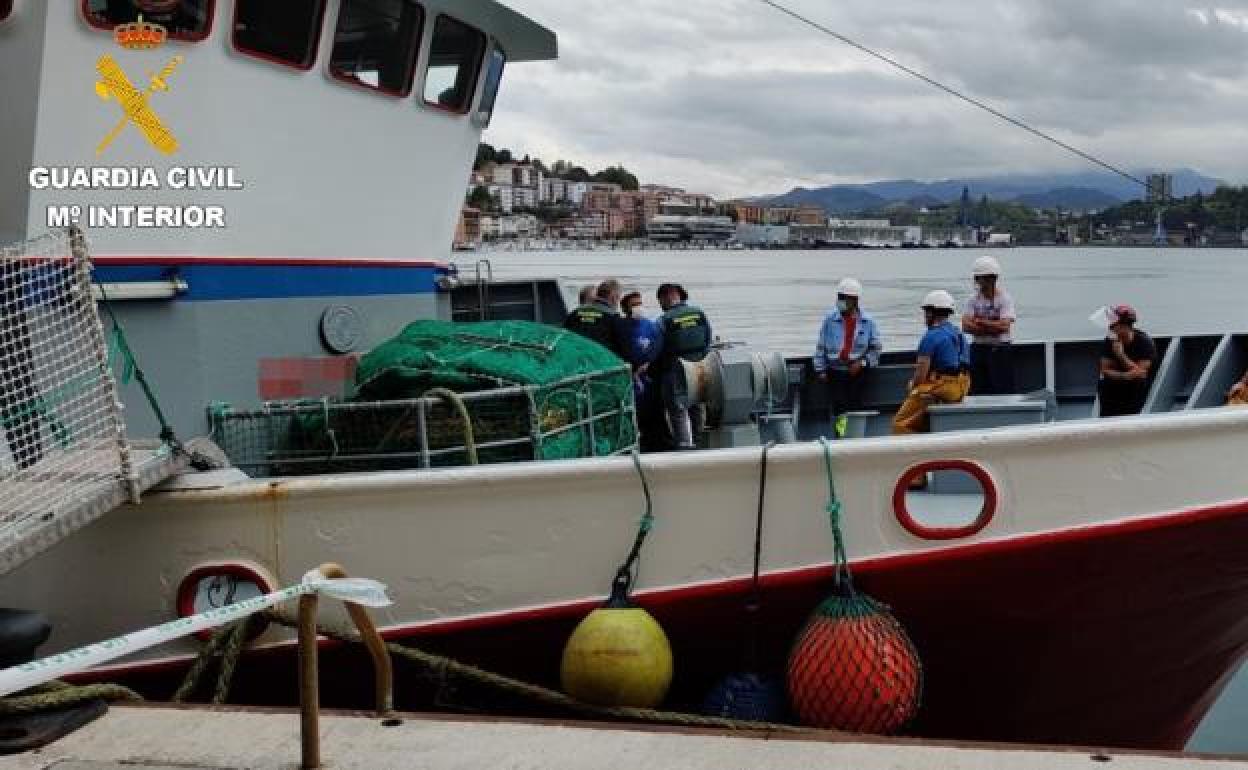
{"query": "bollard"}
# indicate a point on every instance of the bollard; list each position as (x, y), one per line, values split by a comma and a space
(309, 682)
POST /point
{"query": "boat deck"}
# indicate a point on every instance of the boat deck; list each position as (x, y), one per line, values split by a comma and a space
(157, 738)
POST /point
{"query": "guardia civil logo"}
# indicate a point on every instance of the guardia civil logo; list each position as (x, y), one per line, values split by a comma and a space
(115, 85)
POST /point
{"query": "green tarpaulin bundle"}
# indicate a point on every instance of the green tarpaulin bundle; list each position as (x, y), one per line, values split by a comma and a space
(577, 397)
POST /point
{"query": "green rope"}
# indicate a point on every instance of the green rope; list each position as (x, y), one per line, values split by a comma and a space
(622, 586)
(844, 578)
(132, 370)
(57, 695)
(226, 644)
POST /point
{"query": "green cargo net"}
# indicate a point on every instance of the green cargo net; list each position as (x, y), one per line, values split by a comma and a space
(530, 391)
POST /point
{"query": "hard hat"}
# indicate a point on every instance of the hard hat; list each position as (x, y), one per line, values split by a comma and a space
(986, 266)
(939, 299)
(849, 287)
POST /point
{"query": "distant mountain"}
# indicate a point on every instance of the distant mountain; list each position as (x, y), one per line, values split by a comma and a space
(842, 199)
(1075, 191)
(1073, 198)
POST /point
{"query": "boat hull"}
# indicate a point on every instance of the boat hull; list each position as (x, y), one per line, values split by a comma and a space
(1102, 601)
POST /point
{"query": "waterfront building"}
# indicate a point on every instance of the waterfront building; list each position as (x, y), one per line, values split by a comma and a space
(468, 229)
(679, 219)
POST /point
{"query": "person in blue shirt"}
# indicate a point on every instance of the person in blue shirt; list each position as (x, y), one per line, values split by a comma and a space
(643, 344)
(941, 374)
(849, 345)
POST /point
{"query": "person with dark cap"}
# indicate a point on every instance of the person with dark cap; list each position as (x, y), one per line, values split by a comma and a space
(643, 345)
(598, 320)
(1127, 358)
(686, 335)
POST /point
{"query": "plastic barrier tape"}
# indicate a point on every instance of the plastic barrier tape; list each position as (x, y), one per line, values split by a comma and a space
(369, 593)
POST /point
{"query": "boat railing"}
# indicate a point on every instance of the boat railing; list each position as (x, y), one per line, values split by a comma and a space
(508, 424)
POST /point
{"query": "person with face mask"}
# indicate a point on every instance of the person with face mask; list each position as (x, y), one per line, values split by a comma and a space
(989, 318)
(643, 343)
(941, 373)
(849, 345)
(1127, 359)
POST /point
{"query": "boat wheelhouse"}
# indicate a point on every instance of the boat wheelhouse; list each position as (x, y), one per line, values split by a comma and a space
(325, 133)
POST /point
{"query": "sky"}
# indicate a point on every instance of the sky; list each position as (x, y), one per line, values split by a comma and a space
(731, 97)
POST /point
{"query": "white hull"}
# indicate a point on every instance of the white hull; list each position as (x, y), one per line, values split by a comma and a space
(474, 542)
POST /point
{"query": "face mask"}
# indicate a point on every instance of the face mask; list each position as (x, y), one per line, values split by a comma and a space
(842, 305)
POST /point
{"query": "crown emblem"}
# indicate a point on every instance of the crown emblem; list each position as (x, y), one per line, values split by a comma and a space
(140, 35)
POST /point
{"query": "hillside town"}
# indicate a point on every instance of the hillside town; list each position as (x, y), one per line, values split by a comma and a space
(522, 203)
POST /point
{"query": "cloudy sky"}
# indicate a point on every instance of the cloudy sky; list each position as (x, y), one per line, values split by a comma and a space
(730, 97)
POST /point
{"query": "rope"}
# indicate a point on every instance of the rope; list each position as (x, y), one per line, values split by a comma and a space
(622, 586)
(755, 601)
(958, 94)
(227, 643)
(58, 695)
(457, 403)
(844, 579)
(448, 667)
(132, 369)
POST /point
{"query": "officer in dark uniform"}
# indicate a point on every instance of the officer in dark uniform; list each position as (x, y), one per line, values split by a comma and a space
(599, 320)
(686, 335)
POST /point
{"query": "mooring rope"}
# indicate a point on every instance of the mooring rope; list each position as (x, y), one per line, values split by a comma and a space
(58, 695)
(449, 667)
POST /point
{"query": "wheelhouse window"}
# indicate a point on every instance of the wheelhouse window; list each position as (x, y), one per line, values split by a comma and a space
(454, 61)
(285, 32)
(6, 7)
(493, 79)
(375, 44)
(183, 19)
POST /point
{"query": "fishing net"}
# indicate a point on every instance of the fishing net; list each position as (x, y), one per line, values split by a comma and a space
(582, 393)
(448, 393)
(64, 458)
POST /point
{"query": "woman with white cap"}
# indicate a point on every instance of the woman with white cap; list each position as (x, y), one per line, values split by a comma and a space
(849, 344)
(940, 372)
(989, 318)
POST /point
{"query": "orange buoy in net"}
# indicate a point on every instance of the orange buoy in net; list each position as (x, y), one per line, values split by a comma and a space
(853, 667)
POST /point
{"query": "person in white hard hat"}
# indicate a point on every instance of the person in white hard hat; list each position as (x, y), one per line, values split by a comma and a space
(941, 372)
(849, 345)
(989, 318)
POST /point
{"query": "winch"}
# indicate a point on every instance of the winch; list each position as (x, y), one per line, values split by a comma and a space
(742, 390)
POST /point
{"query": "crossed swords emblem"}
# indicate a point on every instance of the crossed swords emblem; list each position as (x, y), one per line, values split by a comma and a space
(114, 84)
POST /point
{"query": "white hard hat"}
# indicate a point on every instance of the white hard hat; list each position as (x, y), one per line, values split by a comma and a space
(986, 266)
(939, 299)
(849, 287)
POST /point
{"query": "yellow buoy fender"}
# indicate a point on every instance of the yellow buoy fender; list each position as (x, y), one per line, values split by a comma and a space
(618, 657)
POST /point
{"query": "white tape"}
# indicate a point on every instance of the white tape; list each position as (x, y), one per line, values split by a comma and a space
(359, 590)
(363, 591)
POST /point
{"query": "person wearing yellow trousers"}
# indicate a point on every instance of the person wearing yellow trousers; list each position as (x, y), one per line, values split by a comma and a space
(941, 374)
(1239, 392)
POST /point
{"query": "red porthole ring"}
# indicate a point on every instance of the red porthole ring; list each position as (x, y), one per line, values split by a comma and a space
(918, 529)
(231, 574)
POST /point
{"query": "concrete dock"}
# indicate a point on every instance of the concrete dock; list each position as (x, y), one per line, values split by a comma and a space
(167, 738)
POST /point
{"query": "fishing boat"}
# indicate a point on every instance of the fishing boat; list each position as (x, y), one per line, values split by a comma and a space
(1065, 579)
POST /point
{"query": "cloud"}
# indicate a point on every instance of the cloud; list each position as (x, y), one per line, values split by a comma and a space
(732, 97)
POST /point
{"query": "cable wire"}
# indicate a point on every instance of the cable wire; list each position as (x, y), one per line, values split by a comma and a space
(954, 92)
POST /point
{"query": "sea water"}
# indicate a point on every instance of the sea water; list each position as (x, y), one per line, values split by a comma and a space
(777, 299)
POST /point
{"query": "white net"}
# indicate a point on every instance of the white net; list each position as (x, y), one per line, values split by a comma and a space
(63, 447)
